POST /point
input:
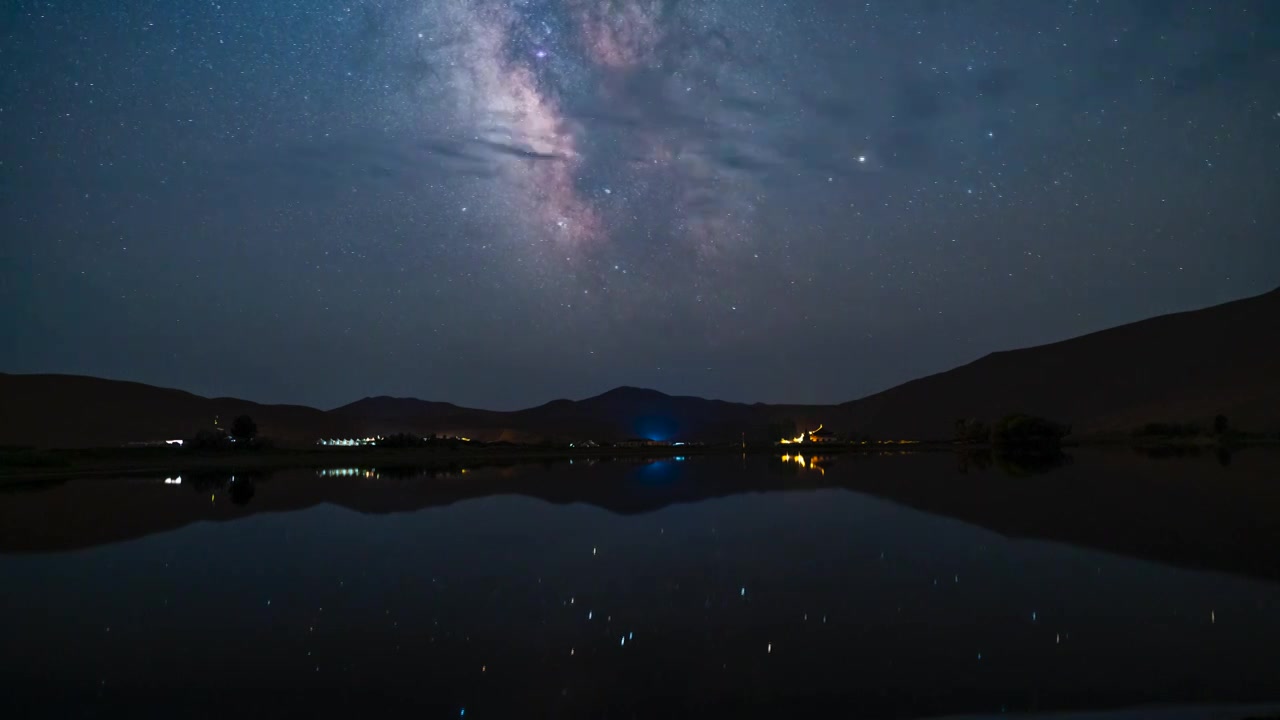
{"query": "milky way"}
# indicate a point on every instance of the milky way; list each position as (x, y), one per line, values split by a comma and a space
(500, 202)
(519, 72)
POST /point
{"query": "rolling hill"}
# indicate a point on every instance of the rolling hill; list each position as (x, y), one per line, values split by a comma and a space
(73, 411)
(1181, 367)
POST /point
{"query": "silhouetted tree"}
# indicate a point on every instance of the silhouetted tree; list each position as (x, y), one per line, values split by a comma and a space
(972, 431)
(244, 428)
(1220, 425)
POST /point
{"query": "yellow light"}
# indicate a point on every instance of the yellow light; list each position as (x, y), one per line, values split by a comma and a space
(800, 438)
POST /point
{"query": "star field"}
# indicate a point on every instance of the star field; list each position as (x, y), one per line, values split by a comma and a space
(499, 202)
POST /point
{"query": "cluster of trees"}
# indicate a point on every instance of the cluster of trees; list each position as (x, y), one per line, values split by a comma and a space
(1028, 431)
(1159, 429)
(403, 440)
(1221, 427)
(1016, 431)
(410, 440)
(243, 433)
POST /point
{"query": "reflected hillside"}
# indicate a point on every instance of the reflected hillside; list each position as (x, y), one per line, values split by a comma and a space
(1194, 512)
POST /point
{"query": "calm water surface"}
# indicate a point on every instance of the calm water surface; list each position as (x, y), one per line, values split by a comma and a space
(680, 588)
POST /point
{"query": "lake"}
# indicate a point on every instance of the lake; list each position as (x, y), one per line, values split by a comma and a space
(851, 586)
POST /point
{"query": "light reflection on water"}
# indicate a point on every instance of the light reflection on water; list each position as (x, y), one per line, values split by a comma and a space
(788, 601)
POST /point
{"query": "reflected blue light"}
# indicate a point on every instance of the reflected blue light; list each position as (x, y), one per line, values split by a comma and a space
(657, 470)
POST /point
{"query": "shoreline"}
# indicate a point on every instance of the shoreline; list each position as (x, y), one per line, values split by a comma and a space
(34, 466)
(67, 464)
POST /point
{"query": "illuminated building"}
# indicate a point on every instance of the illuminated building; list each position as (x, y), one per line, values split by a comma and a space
(818, 435)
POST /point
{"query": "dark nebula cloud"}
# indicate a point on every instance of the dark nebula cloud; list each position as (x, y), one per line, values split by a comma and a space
(499, 202)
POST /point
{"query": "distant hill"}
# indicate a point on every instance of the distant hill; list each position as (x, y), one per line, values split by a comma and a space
(75, 411)
(1182, 367)
(618, 414)
(1174, 368)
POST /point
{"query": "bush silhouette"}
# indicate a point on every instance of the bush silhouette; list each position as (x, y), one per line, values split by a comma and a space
(1027, 431)
(208, 440)
(1220, 425)
(244, 429)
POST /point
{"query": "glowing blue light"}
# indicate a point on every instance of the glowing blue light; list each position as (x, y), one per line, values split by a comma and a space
(656, 428)
(743, 593)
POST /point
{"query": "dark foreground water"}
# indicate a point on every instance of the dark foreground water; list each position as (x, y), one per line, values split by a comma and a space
(855, 587)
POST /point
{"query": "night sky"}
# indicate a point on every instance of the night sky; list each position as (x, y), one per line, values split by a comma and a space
(501, 202)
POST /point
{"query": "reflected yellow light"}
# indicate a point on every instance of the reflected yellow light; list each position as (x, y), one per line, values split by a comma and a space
(808, 464)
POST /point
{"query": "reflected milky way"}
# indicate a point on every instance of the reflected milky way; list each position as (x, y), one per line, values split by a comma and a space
(756, 603)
